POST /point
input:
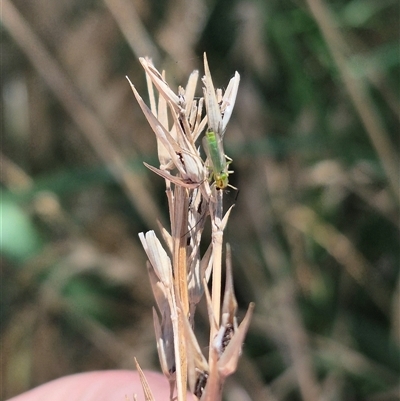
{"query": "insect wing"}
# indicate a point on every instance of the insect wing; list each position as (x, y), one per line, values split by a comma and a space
(215, 152)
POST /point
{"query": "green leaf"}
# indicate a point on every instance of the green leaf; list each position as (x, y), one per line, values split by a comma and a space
(19, 238)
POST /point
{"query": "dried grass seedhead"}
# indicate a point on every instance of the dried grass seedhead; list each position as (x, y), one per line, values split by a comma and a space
(179, 274)
(176, 148)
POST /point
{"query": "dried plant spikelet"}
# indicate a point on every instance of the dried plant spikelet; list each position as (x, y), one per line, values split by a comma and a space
(162, 109)
(164, 331)
(183, 155)
(162, 116)
(219, 108)
(195, 171)
(192, 115)
(182, 117)
(224, 221)
(164, 152)
(229, 308)
(166, 236)
(228, 100)
(197, 363)
(184, 135)
(228, 341)
(200, 123)
(212, 107)
(188, 163)
(172, 178)
(159, 129)
(160, 84)
(165, 349)
(190, 90)
(161, 132)
(158, 257)
(162, 354)
(219, 225)
(148, 395)
(227, 363)
(213, 389)
(194, 119)
(152, 97)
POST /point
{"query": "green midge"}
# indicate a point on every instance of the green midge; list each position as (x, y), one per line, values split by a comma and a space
(215, 153)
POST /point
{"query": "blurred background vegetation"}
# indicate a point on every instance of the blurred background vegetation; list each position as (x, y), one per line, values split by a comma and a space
(315, 231)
